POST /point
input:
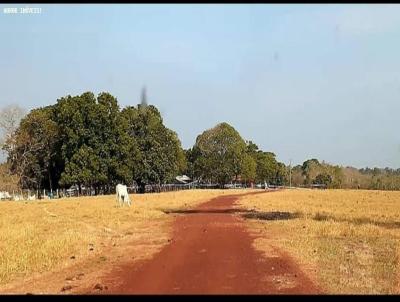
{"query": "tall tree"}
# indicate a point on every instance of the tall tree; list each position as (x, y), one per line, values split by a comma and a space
(266, 167)
(281, 174)
(77, 120)
(249, 169)
(161, 154)
(251, 148)
(97, 149)
(117, 150)
(323, 178)
(311, 168)
(221, 153)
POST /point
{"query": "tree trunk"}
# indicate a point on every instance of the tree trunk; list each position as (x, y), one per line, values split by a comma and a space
(50, 181)
(141, 187)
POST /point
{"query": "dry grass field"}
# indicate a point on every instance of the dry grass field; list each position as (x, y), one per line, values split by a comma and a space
(347, 240)
(41, 236)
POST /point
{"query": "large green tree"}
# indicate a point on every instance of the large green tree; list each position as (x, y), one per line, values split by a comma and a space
(221, 152)
(281, 174)
(118, 150)
(194, 163)
(266, 167)
(97, 150)
(310, 169)
(77, 120)
(161, 153)
(249, 169)
(86, 140)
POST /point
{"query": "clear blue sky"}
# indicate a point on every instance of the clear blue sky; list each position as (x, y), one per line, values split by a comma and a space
(303, 81)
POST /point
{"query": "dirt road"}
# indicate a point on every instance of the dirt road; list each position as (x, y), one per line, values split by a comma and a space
(210, 253)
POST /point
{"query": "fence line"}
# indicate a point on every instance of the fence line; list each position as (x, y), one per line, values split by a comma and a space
(27, 194)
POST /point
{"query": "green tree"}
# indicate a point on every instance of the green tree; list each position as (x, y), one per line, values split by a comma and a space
(323, 179)
(221, 153)
(266, 167)
(281, 174)
(97, 149)
(84, 168)
(251, 149)
(161, 154)
(310, 169)
(77, 120)
(190, 158)
(117, 150)
(249, 169)
(337, 175)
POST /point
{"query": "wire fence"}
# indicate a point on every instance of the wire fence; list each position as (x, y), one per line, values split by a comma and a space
(26, 194)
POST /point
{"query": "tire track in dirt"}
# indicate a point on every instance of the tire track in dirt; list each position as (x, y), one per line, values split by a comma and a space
(210, 253)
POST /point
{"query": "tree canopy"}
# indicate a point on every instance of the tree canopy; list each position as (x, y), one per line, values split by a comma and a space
(220, 154)
(88, 141)
(161, 154)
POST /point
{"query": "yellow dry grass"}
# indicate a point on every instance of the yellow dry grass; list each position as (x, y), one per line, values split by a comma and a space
(40, 236)
(347, 240)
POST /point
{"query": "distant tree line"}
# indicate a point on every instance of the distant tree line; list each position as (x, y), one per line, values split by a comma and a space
(90, 141)
(314, 172)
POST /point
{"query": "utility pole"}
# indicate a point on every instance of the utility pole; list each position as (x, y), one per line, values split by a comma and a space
(290, 173)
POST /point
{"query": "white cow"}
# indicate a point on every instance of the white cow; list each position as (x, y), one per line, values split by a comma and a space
(122, 195)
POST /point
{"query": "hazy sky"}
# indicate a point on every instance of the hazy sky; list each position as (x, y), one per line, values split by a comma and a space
(303, 81)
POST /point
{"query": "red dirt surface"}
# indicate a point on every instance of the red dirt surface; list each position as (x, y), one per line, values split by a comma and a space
(210, 253)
